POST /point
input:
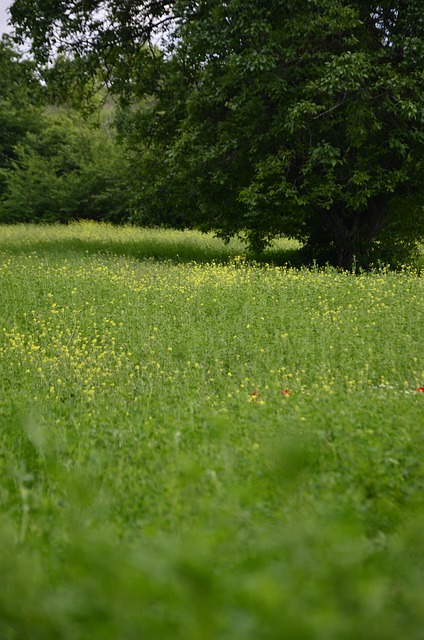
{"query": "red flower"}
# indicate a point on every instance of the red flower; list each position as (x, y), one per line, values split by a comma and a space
(420, 389)
(285, 392)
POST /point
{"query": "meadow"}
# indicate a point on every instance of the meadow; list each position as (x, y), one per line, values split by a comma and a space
(197, 446)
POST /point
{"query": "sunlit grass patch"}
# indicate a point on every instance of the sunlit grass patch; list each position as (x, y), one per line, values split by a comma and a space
(165, 244)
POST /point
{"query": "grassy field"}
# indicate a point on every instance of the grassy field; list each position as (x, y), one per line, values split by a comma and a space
(197, 447)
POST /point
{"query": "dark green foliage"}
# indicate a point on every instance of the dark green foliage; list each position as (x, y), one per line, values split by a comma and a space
(275, 117)
(54, 166)
(68, 170)
(20, 95)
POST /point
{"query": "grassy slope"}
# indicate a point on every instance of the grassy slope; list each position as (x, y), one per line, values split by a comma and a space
(158, 482)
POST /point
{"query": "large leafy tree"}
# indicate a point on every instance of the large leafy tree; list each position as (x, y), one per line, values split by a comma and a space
(269, 116)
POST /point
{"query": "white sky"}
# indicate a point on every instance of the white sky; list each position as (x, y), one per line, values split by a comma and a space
(4, 4)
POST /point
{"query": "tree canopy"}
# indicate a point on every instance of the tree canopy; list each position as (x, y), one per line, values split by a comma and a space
(266, 117)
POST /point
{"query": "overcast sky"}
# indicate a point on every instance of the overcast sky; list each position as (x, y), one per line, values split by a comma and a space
(4, 4)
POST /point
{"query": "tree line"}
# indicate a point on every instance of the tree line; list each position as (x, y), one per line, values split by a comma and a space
(56, 164)
(260, 117)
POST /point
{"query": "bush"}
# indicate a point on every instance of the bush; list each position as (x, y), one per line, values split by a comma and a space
(68, 170)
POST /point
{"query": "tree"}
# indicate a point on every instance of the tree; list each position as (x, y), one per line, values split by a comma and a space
(20, 97)
(269, 116)
(53, 166)
(67, 170)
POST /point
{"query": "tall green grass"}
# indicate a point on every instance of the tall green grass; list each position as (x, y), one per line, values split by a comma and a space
(206, 449)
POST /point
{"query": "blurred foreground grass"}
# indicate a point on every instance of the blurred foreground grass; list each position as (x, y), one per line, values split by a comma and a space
(204, 450)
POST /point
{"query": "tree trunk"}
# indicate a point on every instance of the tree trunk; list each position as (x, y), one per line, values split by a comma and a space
(355, 233)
